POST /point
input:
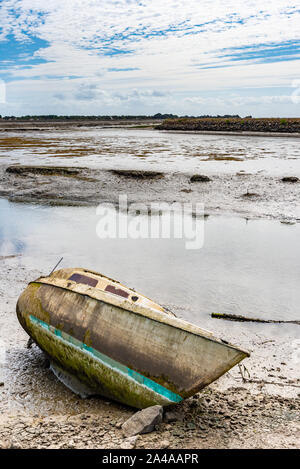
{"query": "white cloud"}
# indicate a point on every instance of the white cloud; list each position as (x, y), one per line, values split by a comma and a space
(169, 42)
(240, 100)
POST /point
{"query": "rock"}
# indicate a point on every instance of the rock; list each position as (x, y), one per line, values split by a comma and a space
(288, 222)
(290, 179)
(199, 178)
(191, 426)
(129, 443)
(137, 174)
(119, 424)
(143, 421)
(193, 403)
(202, 427)
(171, 416)
(43, 170)
(71, 444)
(5, 445)
(164, 444)
(250, 194)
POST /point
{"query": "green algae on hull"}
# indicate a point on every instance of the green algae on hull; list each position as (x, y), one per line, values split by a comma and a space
(114, 383)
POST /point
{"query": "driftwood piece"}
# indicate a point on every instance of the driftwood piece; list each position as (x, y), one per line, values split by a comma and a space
(235, 317)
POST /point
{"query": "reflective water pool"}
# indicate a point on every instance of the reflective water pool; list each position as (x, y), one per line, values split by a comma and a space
(244, 267)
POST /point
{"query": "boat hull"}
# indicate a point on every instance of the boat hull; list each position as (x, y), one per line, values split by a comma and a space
(123, 355)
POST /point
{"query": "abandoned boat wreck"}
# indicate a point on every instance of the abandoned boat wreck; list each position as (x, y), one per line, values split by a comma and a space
(104, 338)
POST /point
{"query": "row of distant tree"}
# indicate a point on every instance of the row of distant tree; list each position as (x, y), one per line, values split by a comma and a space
(48, 117)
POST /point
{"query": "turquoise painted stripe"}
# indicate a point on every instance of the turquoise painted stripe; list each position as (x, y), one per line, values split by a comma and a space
(139, 378)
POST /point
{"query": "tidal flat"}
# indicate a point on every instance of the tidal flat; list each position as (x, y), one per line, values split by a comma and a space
(50, 184)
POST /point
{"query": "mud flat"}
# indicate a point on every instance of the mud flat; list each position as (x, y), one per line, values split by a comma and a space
(247, 194)
(33, 125)
(256, 409)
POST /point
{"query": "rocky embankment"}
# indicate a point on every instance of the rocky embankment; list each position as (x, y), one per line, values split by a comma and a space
(265, 125)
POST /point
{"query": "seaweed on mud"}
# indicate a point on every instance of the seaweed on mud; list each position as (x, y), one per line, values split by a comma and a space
(135, 174)
(21, 170)
(200, 178)
(250, 194)
(216, 157)
(16, 142)
(291, 179)
(52, 147)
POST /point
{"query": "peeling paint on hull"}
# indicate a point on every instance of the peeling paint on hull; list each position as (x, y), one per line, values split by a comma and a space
(132, 353)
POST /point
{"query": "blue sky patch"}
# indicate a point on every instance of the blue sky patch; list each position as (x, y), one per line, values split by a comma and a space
(21, 52)
(129, 69)
(264, 51)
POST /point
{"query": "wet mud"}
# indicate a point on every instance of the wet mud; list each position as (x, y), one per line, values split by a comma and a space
(252, 195)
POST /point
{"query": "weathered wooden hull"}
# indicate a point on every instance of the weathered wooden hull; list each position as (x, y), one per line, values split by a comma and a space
(128, 350)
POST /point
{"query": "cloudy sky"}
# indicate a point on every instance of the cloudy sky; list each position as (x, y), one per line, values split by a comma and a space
(146, 56)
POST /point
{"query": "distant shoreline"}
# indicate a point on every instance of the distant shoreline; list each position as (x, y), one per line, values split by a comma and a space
(207, 126)
(19, 125)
